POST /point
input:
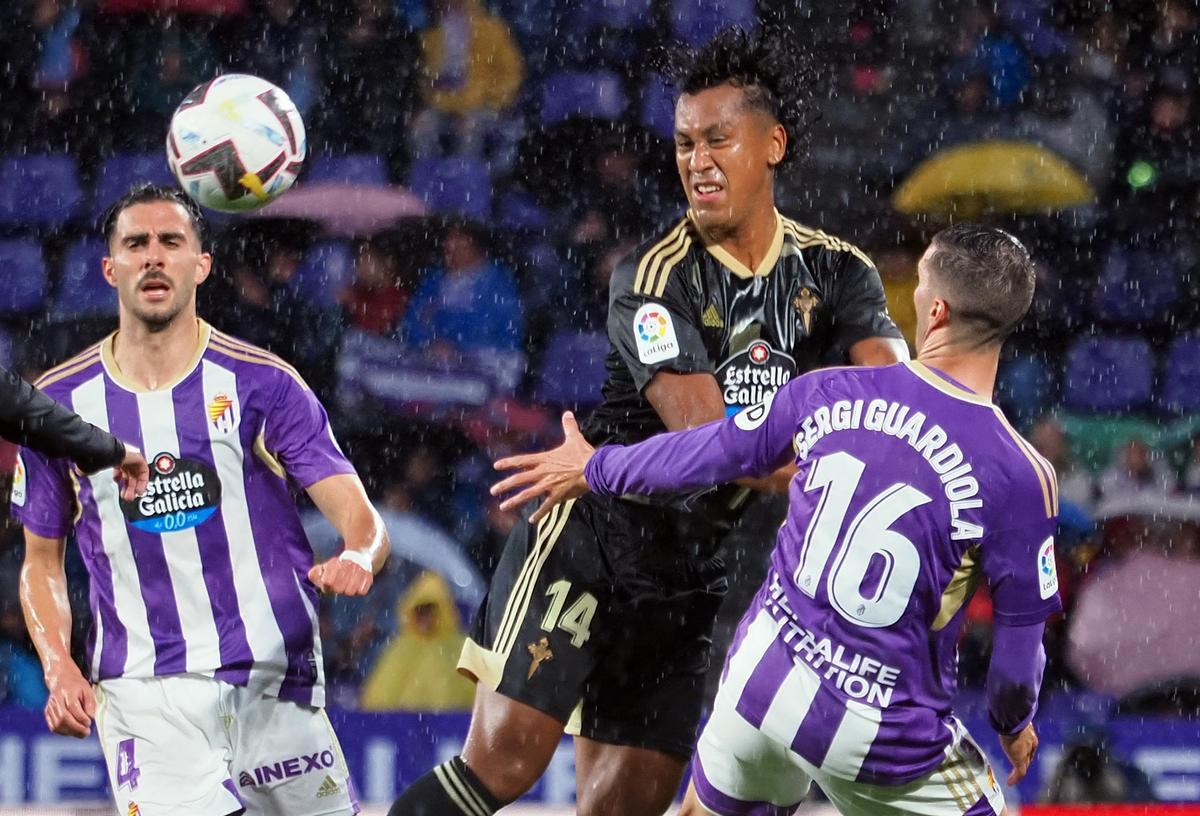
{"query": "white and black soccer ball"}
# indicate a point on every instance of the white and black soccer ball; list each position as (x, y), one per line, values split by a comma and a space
(236, 143)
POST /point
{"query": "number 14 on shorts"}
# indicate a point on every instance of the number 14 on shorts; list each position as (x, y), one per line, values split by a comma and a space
(577, 619)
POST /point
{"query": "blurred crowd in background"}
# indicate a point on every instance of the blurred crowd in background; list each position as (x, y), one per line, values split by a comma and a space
(530, 142)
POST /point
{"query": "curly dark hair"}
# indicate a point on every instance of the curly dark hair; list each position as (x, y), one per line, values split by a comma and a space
(777, 75)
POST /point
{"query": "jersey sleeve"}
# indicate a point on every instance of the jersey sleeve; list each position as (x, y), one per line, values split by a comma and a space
(653, 318)
(297, 433)
(754, 442)
(1018, 556)
(859, 304)
(42, 497)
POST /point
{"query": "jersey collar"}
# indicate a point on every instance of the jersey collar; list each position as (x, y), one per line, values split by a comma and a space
(733, 264)
(943, 383)
(110, 361)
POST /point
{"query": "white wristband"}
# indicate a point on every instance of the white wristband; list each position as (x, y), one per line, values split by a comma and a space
(358, 557)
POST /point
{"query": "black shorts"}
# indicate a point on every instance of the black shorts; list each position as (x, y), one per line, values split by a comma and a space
(600, 617)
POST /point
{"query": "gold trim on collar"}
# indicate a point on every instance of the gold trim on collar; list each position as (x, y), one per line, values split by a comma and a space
(733, 264)
(204, 331)
(942, 384)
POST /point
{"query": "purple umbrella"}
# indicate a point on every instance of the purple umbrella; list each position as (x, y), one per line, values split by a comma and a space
(346, 209)
(1135, 623)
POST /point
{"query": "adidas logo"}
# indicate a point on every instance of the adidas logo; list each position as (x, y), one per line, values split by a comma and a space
(712, 318)
(328, 788)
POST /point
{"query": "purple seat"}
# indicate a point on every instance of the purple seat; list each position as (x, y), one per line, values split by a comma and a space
(517, 210)
(1180, 392)
(25, 282)
(572, 369)
(348, 168)
(39, 191)
(619, 14)
(82, 290)
(658, 106)
(327, 268)
(1108, 373)
(595, 94)
(454, 185)
(121, 171)
(1136, 286)
(696, 21)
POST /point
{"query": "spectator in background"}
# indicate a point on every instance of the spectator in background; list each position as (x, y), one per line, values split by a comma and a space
(375, 301)
(368, 76)
(1071, 119)
(1136, 472)
(255, 301)
(1101, 55)
(1175, 39)
(472, 73)
(278, 42)
(468, 304)
(45, 60)
(1189, 480)
(417, 671)
(170, 56)
(1161, 140)
(1090, 773)
(1075, 485)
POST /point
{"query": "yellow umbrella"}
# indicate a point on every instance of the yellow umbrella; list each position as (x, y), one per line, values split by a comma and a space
(994, 176)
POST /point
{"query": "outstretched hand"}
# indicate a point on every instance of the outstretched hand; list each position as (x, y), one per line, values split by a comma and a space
(555, 474)
(132, 474)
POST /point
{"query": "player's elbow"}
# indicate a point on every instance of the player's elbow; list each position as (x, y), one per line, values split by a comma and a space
(1011, 702)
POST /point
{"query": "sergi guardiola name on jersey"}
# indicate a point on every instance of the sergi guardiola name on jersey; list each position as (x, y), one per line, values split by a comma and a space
(901, 422)
(859, 676)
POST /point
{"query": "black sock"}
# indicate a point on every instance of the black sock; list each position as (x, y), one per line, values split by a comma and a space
(450, 789)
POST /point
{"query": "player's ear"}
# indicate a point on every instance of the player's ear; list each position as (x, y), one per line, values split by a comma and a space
(939, 314)
(777, 146)
(110, 275)
(203, 267)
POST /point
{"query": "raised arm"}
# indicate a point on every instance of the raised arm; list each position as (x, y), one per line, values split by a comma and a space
(43, 590)
(754, 442)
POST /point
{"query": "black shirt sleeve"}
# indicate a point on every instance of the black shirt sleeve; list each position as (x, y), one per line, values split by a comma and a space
(859, 304)
(29, 417)
(654, 324)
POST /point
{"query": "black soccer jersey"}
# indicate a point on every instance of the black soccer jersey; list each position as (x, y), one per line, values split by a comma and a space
(680, 304)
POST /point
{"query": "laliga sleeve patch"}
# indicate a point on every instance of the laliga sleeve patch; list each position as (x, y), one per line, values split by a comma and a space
(17, 495)
(1047, 570)
(755, 415)
(654, 334)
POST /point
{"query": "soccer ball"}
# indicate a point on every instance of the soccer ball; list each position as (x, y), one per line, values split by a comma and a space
(236, 143)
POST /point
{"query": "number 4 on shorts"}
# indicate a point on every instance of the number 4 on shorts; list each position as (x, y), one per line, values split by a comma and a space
(578, 617)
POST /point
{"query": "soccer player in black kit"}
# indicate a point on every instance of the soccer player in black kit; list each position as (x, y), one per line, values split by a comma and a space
(599, 616)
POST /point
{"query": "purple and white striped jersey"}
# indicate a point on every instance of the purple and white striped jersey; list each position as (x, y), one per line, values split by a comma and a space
(207, 572)
(910, 489)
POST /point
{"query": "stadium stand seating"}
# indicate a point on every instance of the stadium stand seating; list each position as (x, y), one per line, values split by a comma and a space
(41, 191)
(1108, 373)
(26, 283)
(597, 94)
(454, 185)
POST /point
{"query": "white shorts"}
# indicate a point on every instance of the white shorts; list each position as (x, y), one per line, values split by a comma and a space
(740, 771)
(188, 745)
